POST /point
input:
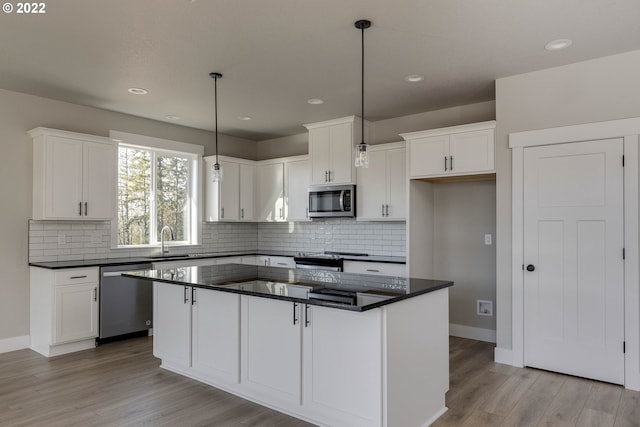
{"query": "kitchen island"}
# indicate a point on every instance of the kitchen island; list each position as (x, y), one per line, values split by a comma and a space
(277, 336)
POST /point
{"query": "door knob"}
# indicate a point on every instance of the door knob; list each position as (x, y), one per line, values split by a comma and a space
(531, 267)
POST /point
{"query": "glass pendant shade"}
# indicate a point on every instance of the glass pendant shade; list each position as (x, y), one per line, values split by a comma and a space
(362, 155)
(216, 172)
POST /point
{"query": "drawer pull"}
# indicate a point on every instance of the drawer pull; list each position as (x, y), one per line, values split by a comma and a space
(282, 263)
(373, 271)
(78, 277)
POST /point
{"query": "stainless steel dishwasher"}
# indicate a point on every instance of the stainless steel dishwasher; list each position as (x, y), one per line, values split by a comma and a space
(126, 304)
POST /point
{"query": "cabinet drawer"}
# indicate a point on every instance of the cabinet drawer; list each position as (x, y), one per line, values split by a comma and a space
(69, 277)
(282, 261)
(375, 268)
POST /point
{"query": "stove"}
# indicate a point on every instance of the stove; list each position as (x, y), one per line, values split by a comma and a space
(319, 261)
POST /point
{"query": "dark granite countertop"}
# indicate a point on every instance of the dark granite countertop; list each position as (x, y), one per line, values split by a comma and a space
(291, 284)
(104, 262)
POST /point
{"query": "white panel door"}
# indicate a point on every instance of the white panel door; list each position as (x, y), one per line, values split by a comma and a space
(573, 266)
(340, 389)
(372, 187)
(247, 184)
(271, 349)
(230, 191)
(429, 156)
(397, 184)
(172, 323)
(216, 334)
(76, 312)
(63, 172)
(271, 192)
(99, 182)
(297, 181)
(341, 153)
(471, 152)
(319, 141)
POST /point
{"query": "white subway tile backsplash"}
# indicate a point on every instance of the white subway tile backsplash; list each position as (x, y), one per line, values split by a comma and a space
(92, 239)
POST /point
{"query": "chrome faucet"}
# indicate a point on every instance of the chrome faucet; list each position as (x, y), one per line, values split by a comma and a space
(171, 236)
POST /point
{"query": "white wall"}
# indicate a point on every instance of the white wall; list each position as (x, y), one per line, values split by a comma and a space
(591, 91)
(19, 113)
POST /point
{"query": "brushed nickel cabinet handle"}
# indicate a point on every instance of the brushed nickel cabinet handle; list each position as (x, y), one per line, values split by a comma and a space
(78, 277)
(86, 208)
(80, 208)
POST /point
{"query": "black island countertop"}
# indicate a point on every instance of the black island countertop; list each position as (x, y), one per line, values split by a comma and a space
(293, 284)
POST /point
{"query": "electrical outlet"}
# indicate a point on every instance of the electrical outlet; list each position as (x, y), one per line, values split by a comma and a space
(487, 239)
(62, 239)
(484, 308)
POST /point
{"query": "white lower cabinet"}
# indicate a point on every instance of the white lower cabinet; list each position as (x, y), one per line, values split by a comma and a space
(197, 332)
(63, 310)
(271, 349)
(376, 268)
(329, 366)
(342, 360)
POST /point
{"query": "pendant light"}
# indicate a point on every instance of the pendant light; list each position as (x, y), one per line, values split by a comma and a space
(362, 149)
(216, 173)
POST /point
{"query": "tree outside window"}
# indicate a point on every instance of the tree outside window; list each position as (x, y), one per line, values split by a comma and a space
(154, 189)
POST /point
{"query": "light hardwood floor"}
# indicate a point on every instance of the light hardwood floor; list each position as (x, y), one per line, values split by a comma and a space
(484, 393)
(120, 384)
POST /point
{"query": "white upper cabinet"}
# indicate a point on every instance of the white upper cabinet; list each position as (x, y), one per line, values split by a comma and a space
(232, 199)
(381, 190)
(331, 149)
(74, 175)
(452, 151)
(270, 194)
(297, 178)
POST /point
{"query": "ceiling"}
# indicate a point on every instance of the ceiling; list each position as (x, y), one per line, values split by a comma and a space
(277, 54)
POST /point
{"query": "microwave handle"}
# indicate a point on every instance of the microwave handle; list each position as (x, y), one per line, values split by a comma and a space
(342, 194)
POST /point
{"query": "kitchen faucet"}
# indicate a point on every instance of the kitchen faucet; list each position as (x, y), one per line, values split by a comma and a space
(171, 236)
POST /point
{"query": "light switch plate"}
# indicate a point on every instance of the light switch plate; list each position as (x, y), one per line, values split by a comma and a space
(487, 239)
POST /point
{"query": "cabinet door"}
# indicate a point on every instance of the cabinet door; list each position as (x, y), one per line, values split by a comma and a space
(247, 185)
(216, 334)
(172, 323)
(396, 184)
(297, 182)
(341, 154)
(472, 152)
(428, 156)
(63, 178)
(319, 141)
(271, 349)
(99, 180)
(372, 184)
(76, 312)
(229, 188)
(271, 192)
(376, 268)
(336, 390)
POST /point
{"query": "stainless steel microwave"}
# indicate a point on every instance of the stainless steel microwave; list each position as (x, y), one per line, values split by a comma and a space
(332, 201)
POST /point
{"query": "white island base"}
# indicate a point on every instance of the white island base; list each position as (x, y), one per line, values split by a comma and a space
(386, 367)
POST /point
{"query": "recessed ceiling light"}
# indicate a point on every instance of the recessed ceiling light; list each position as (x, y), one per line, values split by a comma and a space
(558, 44)
(172, 117)
(244, 118)
(137, 91)
(414, 78)
(315, 101)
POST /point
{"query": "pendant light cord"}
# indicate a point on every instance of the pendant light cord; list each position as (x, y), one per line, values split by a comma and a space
(215, 85)
(362, 90)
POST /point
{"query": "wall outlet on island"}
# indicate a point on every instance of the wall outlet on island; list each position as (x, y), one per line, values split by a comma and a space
(484, 308)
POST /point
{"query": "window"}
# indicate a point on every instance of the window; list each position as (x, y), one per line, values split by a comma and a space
(156, 188)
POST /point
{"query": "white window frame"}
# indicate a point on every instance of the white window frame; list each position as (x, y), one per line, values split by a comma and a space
(160, 146)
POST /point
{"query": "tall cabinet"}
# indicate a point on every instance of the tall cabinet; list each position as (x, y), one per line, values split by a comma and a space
(74, 175)
(331, 149)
